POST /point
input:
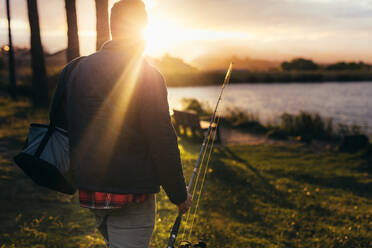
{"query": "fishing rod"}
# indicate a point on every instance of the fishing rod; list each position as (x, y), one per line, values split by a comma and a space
(177, 223)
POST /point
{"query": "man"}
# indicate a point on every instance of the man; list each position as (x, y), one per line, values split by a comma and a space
(122, 143)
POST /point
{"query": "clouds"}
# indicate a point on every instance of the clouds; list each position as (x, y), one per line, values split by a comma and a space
(255, 14)
(325, 30)
(322, 29)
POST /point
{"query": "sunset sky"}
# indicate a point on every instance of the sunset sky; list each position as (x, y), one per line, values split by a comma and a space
(323, 30)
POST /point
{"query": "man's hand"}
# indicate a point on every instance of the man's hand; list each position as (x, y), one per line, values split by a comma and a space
(184, 206)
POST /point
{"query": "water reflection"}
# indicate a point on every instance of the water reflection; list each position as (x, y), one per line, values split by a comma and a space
(348, 103)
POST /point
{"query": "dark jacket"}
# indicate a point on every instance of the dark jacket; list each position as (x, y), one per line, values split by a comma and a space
(117, 115)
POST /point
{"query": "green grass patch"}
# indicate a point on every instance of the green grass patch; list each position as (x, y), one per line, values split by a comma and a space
(254, 196)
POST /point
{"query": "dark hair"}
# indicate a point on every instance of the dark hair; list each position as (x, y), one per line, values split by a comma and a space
(127, 16)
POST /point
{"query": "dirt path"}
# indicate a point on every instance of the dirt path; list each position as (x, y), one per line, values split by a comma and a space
(234, 136)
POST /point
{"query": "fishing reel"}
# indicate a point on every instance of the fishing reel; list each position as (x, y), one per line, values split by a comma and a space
(188, 244)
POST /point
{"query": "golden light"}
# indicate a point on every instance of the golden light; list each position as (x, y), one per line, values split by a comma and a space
(158, 37)
(6, 48)
(162, 35)
(113, 110)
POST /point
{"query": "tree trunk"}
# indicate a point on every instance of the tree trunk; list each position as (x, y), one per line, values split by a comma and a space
(11, 66)
(72, 30)
(102, 23)
(39, 79)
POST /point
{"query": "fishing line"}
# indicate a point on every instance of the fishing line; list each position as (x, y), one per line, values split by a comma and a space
(193, 190)
(199, 164)
(204, 176)
(186, 225)
(214, 131)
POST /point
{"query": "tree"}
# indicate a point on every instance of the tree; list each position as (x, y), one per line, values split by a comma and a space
(102, 24)
(11, 66)
(341, 66)
(72, 30)
(39, 79)
(299, 64)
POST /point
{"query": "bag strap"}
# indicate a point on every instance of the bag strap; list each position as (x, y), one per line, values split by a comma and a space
(44, 141)
(60, 91)
(56, 104)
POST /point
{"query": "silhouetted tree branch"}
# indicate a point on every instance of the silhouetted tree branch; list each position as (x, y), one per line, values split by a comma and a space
(72, 30)
(102, 23)
(12, 72)
(39, 79)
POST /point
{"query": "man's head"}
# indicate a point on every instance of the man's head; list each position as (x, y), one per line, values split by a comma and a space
(128, 19)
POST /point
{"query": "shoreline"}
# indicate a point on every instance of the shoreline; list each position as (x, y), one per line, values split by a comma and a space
(204, 78)
(271, 83)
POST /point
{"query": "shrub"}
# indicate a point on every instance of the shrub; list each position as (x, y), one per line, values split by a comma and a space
(194, 105)
(244, 120)
(353, 143)
(345, 130)
(277, 133)
(307, 125)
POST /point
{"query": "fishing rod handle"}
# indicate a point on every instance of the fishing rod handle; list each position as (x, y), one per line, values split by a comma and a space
(174, 232)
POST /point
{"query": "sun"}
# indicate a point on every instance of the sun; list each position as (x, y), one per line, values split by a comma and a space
(166, 35)
(161, 36)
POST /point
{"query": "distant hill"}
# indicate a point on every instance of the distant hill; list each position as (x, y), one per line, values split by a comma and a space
(166, 64)
(172, 65)
(221, 63)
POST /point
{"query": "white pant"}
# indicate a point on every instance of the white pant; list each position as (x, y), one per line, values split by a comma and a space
(128, 227)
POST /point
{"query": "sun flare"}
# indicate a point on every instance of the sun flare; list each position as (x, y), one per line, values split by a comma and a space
(161, 35)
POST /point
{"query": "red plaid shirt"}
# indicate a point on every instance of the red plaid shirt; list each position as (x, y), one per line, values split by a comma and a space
(102, 200)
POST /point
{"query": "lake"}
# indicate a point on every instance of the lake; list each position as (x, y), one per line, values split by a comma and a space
(348, 103)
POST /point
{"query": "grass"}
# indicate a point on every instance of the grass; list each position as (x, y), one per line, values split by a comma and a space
(254, 196)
